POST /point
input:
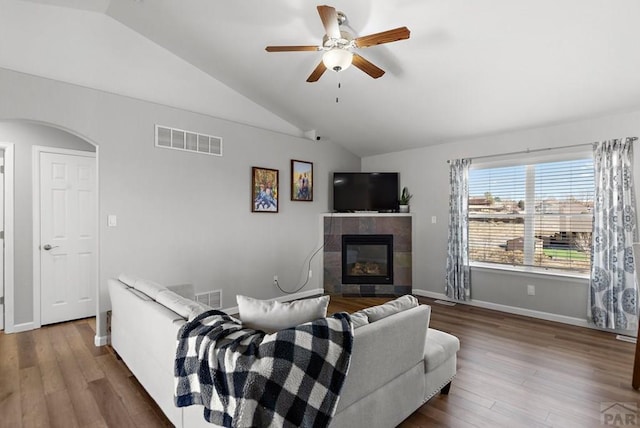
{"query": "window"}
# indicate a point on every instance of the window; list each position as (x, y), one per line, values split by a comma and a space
(536, 215)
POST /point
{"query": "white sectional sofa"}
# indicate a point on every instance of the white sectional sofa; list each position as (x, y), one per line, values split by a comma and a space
(397, 362)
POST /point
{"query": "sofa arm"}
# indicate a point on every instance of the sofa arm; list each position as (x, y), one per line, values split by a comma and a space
(384, 350)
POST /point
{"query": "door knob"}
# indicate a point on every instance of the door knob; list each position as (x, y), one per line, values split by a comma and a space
(48, 247)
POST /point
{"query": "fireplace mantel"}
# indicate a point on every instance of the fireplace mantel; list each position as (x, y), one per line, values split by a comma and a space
(334, 225)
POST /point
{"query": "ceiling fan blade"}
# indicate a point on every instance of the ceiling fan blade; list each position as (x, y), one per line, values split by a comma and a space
(291, 48)
(317, 73)
(329, 18)
(367, 66)
(388, 36)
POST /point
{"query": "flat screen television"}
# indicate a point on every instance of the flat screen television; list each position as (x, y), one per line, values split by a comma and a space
(365, 191)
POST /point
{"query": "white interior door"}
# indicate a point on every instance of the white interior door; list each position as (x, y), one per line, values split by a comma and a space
(67, 236)
(1, 239)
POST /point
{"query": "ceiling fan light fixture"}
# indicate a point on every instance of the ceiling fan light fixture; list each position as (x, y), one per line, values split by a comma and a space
(337, 59)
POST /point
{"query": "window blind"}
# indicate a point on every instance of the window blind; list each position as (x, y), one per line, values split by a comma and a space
(539, 214)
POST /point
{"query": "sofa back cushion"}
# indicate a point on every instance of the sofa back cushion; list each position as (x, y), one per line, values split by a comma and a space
(128, 279)
(189, 309)
(145, 286)
(149, 288)
(271, 316)
(375, 313)
(358, 319)
(383, 350)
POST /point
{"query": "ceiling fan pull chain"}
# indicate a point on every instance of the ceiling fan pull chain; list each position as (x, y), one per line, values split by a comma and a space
(337, 100)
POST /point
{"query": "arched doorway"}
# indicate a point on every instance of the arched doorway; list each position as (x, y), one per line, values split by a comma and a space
(23, 294)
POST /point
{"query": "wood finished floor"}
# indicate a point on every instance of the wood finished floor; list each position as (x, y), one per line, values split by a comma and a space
(512, 372)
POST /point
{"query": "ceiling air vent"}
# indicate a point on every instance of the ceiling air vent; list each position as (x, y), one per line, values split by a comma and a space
(179, 139)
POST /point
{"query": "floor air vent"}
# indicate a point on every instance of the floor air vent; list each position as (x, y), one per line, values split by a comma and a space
(179, 139)
(211, 298)
(445, 302)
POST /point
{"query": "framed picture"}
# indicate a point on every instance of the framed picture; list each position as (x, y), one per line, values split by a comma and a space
(264, 190)
(301, 180)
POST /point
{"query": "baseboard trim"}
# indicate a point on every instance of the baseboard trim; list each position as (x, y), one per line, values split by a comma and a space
(100, 340)
(508, 309)
(625, 338)
(25, 326)
(287, 298)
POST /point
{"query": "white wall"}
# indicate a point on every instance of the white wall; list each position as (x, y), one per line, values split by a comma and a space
(184, 217)
(25, 136)
(94, 50)
(425, 171)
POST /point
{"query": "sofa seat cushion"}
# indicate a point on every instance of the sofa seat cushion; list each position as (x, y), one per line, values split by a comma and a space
(438, 348)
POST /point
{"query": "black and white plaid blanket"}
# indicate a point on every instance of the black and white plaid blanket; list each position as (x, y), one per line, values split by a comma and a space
(247, 378)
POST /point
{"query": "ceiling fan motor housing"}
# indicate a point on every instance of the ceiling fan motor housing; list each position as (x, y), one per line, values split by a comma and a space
(344, 42)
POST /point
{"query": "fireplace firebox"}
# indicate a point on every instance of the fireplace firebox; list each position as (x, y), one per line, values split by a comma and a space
(367, 259)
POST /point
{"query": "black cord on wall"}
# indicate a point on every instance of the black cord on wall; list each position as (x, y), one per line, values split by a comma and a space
(324, 243)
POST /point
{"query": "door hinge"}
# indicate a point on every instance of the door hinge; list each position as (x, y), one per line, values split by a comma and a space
(1, 169)
(2, 300)
(1, 234)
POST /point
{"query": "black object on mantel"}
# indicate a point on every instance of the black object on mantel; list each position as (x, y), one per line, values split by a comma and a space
(365, 191)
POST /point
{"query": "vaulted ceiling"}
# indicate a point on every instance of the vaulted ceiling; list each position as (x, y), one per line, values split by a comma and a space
(470, 67)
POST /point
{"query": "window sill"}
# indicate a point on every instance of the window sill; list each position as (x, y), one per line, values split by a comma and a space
(533, 271)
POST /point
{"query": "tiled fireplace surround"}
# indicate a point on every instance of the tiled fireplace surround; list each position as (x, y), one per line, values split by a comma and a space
(398, 225)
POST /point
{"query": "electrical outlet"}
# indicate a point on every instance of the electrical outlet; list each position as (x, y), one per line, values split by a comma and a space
(310, 273)
(531, 290)
(275, 280)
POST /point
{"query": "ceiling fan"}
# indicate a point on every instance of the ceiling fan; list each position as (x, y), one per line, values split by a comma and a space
(338, 45)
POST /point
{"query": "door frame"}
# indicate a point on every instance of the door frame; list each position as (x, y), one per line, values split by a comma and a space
(8, 236)
(37, 254)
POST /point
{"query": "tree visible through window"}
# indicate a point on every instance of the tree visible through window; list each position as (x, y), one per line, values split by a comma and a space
(532, 215)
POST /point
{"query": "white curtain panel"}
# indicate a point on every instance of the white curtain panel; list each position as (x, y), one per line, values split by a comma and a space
(613, 288)
(458, 276)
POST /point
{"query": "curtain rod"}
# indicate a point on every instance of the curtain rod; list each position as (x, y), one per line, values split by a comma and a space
(535, 150)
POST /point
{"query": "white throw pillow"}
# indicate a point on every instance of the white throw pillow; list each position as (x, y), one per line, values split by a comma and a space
(400, 304)
(271, 316)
